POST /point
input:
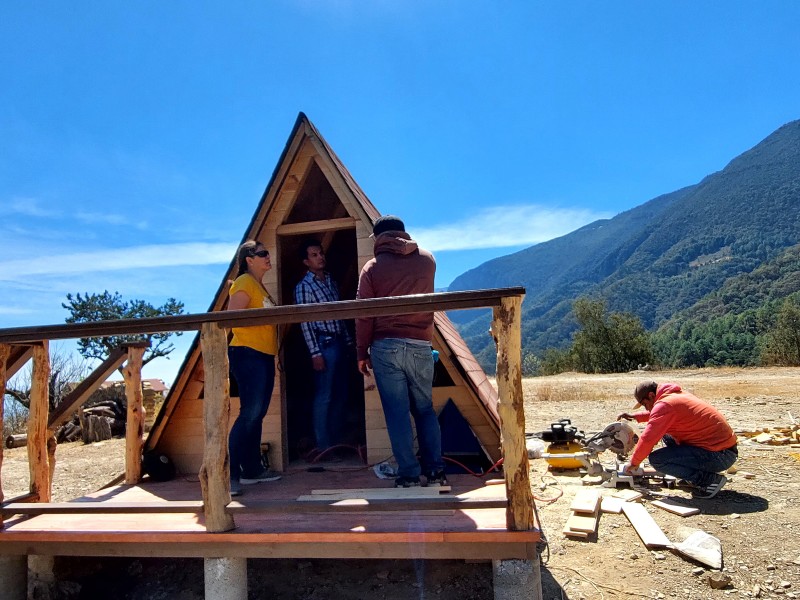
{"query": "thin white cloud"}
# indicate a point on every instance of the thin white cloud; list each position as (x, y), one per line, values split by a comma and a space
(117, 259)
(27, 207)
(505, 226)
(14, 310)
(107, 219)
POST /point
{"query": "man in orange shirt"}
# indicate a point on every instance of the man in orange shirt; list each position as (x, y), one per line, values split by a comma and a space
(698, 442)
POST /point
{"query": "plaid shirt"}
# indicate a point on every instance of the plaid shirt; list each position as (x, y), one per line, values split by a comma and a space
(311, 290)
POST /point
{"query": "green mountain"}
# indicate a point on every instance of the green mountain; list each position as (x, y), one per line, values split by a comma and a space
(657, 259)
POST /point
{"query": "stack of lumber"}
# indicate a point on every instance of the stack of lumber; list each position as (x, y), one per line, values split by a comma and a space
(585, 514)
(588, 504)
(775, 436)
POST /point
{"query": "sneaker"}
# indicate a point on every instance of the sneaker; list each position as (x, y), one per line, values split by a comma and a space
(263, 476)
(406, 482)
(236, 488)
(711, 489)
(436, 478)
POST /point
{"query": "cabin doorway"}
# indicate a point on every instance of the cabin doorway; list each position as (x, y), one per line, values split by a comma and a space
(298, 375)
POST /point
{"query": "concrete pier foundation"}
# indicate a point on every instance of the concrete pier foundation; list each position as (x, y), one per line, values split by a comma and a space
(517, 579)
(225, 578)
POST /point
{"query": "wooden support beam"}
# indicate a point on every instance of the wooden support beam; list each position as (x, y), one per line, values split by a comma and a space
(37, 422)
(5, 353)
(215, 472)
(19, 356)
(506, 327)
(134, 425)
(316, 226)
(72, 401)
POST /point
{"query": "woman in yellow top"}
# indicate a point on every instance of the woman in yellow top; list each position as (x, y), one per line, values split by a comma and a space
(252, 359)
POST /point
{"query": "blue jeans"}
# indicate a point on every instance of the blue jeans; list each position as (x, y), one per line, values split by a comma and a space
(254, 372)
(696, 465)
(404, 376)
(330, 392)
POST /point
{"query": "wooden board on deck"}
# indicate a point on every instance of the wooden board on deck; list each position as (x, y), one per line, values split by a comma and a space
(401, 492)
(372, 494)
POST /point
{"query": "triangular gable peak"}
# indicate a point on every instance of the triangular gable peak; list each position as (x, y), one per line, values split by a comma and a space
(312, 194)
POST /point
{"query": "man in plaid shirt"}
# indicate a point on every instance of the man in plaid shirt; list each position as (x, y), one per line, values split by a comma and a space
(328, 344)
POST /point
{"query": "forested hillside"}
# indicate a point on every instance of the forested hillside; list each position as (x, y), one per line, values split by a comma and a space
(660, 258)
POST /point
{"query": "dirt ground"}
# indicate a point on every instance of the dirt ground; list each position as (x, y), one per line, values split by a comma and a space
(757, 520)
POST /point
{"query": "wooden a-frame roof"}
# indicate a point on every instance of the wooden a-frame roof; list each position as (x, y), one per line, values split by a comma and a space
(302, 132)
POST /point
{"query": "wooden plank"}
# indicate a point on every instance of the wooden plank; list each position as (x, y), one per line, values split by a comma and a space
(324, 504)
(627, 495)
(575, 534)
(345, 309)
(582, 523)
(390, 493)
(586, 500)
(215, 474)
(647, 529)
(316, 226)
(506, 326)
(399, 492)
(134, 425)
(678, 509)
(360, 547)
(76, 507)
(436, 506)
(609, 504)
(38, 462)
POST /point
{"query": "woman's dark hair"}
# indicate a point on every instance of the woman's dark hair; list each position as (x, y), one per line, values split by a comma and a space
(246, 250)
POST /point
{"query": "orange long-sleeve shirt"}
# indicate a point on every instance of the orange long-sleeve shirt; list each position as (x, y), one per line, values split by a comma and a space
(686, 418)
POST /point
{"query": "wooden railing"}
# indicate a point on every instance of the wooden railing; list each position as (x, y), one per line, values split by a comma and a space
(215, 483)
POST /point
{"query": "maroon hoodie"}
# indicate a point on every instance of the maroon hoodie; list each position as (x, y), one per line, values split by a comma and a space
(400, 268)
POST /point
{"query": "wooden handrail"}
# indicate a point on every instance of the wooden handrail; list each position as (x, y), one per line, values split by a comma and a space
(345, 309)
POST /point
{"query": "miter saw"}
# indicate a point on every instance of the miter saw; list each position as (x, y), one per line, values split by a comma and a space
(570, 448)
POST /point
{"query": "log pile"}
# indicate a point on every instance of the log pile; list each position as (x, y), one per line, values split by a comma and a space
(102, 418)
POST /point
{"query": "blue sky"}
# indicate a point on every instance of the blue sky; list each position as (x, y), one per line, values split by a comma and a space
(137, 138)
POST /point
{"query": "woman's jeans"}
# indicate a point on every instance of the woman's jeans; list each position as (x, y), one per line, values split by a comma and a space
(254, 372)
(695, 465)
(404, 376)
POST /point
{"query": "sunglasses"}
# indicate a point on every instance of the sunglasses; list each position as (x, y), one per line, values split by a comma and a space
(261, 253)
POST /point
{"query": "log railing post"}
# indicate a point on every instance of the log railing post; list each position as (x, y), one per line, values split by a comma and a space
(5, 352)
(507, 329)
(134, 425)
(215, 472)
(38, 456)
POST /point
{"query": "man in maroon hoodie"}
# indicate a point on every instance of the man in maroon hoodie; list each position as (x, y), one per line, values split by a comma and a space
(698, 442)
(398, 349)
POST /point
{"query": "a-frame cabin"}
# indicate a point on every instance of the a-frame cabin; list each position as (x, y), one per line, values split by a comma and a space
(312, 194)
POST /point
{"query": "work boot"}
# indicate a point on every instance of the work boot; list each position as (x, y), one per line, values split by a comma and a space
(406, 482)
(436, 478)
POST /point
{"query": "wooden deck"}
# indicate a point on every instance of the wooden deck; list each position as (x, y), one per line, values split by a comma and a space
(166, 519)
